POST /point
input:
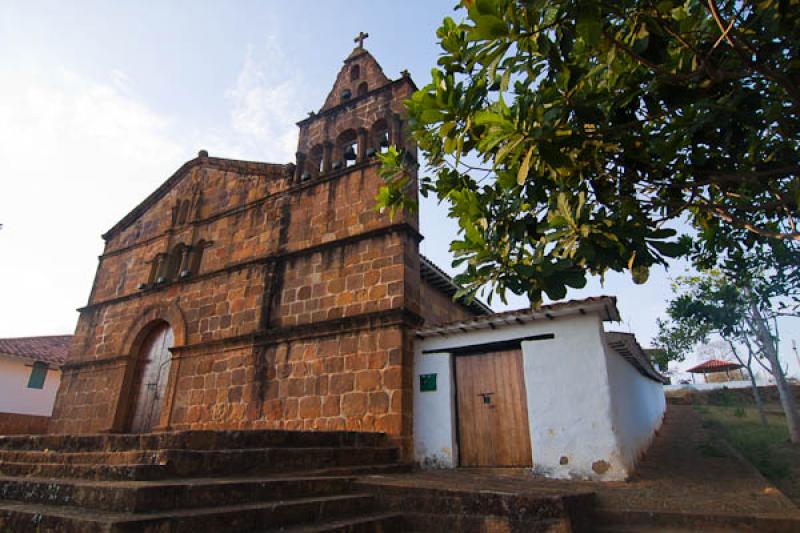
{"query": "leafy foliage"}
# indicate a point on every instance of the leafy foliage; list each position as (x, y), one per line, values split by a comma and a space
(565, 134)
(703, 305)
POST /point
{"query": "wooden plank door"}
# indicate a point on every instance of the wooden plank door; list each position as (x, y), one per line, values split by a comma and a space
(154, 364)
(492, 410)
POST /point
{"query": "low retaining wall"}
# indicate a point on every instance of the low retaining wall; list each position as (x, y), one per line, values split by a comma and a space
(15, 424)
(726, 396)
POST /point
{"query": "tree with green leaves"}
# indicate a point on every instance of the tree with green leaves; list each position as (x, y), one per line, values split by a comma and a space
(570, 137)
(743, 312)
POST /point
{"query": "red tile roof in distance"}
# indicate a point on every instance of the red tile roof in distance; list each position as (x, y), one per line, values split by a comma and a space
(713, 365)
(51, 349)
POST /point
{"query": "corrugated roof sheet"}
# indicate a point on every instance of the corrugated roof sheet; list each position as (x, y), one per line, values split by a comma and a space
(50, 349)
(605, 304)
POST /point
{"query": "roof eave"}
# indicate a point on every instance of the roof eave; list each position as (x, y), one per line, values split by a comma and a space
(605, 307)
(32, 359)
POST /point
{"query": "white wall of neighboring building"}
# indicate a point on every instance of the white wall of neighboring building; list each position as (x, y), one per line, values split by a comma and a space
(16, 397)
(638, 406)
(573, 417)
(435, 442)
(569, 405)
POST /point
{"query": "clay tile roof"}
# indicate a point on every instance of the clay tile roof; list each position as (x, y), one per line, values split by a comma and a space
(51, 349)
(714, 365)
(607, 305)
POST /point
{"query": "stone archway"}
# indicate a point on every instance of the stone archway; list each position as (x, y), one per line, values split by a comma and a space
(134, 348)
(151, 376)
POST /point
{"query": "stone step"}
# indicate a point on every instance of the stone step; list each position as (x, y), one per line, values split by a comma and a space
(273, 515)
(123, 457)
(137, 497)
(194, 440)
(269, 460)
(53, 472)
(371, 523)
(95, 472)
(165, 463)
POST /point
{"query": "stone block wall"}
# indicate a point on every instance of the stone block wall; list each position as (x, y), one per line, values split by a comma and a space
(16, 424)
(318, 271)
(439, 308)
(291, 299)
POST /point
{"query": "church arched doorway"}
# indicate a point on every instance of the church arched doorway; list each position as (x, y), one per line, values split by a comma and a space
(150, 380)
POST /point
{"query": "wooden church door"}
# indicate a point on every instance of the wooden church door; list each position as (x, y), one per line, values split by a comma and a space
(153, 373)
(492, 410)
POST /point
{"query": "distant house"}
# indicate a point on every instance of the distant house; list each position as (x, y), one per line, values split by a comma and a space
(30, 372)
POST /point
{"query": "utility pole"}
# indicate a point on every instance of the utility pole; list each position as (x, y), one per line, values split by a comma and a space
(796, 355)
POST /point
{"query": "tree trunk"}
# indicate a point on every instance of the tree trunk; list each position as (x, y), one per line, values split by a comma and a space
(757, 397)
(787, 398)
(749, 367)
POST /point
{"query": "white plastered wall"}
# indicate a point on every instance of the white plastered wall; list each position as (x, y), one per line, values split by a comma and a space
(571, 410)
(16, 397)
(638, 408)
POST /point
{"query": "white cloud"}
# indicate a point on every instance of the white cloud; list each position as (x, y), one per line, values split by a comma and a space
(77, 154)
(266, 103)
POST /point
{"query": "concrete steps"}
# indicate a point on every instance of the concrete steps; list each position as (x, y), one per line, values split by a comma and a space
(198, 482)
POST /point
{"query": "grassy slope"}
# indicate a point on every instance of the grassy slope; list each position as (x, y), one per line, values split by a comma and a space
(768, 448)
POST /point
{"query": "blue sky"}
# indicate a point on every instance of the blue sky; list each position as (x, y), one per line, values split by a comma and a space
(101, 101)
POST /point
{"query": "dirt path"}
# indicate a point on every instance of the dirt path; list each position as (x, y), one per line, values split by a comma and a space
(691, 469)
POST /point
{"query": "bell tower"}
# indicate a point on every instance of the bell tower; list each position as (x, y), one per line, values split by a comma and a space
(362, 115)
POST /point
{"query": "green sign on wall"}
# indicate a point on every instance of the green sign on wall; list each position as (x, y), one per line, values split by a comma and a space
(427, 382)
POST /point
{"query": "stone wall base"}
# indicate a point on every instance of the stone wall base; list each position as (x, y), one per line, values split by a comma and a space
(16, 424)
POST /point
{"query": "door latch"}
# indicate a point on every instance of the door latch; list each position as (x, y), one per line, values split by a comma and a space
(487, 397)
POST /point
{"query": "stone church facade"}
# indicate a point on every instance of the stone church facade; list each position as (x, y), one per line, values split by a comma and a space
(258, 295)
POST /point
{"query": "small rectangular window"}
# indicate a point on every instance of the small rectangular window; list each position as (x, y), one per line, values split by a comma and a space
(38, 375)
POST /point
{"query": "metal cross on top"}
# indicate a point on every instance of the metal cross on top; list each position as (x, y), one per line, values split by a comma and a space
(360, 39)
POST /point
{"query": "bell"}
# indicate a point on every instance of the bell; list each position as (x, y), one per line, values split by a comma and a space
(385, 140)
(337, 165)
(371, 152)
(305, 176)
(350, 154)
